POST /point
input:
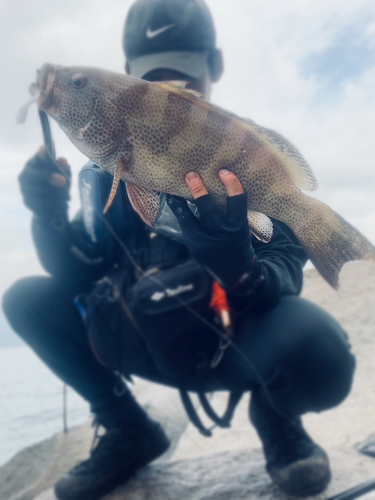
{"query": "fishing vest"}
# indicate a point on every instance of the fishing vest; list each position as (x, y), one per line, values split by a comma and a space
(94, 185)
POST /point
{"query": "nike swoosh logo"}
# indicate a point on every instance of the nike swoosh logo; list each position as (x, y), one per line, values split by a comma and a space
(153, 34)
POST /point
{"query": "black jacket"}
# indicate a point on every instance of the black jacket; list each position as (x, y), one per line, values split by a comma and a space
(64, 252)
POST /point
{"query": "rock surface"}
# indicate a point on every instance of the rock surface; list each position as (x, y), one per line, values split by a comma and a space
(230, 465)
(233, 475)
(38, 467)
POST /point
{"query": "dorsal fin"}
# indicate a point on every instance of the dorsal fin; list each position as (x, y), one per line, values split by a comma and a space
(176, 83)
(300, 172)
(179, 88)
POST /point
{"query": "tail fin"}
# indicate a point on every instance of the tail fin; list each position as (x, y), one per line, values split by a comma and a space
(330, 241)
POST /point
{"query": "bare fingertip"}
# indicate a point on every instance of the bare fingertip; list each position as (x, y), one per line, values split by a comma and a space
(62, 159)
(224, 171)
(191, 177)
(42, 152)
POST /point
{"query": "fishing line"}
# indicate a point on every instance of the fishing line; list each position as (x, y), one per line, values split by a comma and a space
(203, 320)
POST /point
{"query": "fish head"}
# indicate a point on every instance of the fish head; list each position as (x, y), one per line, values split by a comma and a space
(68, 95)
(83, 100)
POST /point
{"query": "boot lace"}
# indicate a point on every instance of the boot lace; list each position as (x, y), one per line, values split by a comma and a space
(105, 449)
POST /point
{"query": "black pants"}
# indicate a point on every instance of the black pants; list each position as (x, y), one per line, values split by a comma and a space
(299, 351)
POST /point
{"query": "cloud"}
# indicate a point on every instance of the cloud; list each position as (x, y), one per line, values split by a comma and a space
(346, 58)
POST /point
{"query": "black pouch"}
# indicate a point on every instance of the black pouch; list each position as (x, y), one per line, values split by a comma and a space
(168, 308)
(171, 307)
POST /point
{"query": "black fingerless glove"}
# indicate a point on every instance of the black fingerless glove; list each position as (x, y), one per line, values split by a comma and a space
(221, 243)
(43, 199)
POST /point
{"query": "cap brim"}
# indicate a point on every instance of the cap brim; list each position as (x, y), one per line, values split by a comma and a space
(193, 64)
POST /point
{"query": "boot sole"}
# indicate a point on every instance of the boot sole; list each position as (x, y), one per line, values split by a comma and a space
(304, 478)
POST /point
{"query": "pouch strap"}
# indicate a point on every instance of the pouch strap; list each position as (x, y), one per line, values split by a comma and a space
(224, 421)
(193, 415)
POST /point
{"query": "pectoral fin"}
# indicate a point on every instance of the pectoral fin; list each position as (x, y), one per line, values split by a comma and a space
(261, 226)
(115, 184)
(122, 166)
(145, 202)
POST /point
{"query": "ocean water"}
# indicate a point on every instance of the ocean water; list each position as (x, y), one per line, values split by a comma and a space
(31, 402)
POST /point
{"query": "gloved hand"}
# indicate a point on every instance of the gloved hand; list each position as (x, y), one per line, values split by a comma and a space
(44, 188)
(220, 243)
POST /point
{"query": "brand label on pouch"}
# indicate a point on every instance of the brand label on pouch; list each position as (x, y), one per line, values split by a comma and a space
(171, 292)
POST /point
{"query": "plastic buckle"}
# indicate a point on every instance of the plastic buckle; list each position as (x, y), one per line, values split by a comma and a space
(218, 356)
(108, 290)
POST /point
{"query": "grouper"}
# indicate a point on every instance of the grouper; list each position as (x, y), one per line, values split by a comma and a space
(150, 135)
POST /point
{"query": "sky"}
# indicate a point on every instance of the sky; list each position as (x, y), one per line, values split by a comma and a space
(305, 68)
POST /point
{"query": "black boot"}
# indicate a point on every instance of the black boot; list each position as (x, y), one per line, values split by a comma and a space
(294, 462)
(118, 454)
(132, 440)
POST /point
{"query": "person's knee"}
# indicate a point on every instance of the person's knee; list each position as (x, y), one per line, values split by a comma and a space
(342, 380)
(340, 373)
(328, 366)
(335, 383)
(13, 301)
(22, 299)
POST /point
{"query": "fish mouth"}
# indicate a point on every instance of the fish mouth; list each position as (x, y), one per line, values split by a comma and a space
(48, 88)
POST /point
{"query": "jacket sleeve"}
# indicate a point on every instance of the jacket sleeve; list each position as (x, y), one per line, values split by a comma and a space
(278, 270)
(63, 253)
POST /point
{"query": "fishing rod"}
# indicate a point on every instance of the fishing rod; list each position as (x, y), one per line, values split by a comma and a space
(356, 492)
(50, 148)
(46, 127)
(47, 134)
(51, 151)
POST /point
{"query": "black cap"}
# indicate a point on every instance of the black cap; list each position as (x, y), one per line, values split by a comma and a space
(169, 34)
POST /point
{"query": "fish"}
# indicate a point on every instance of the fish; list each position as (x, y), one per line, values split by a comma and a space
(151, 134)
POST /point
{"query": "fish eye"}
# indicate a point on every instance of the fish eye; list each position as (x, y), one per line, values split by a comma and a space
(79, 81)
